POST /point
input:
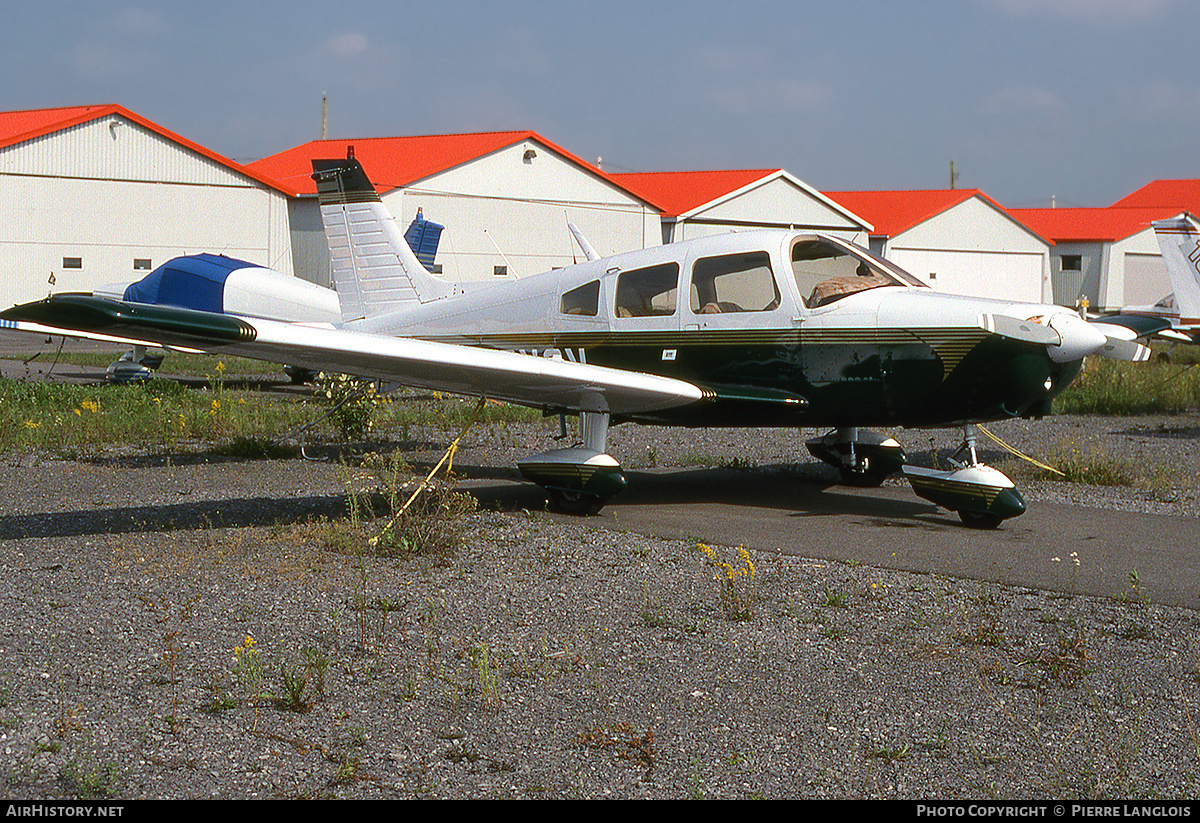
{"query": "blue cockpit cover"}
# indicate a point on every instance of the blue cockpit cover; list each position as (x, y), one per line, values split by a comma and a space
(195, 281)
(423, 237)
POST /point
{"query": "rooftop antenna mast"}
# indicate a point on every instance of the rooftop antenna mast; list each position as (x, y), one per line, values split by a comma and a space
(953, 175)
(324, 114)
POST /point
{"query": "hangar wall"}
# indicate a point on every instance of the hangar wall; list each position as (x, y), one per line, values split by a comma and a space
(108, 200)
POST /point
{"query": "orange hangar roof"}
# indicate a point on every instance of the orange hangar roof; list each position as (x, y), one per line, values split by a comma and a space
(1174, 195)
(1083, 225)
(894, 212)
(395, 162)
(20, 126)
(677, 193)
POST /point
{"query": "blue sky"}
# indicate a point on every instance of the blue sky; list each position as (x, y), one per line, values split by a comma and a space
(1080, 100)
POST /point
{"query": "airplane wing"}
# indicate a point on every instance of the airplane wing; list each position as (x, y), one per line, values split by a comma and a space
(49, 331)
(499, 375)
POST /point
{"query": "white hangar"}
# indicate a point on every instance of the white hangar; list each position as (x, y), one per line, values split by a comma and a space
(506, 200)
(957, 240)
(699, 203)
(1109, 257)
(92, 195)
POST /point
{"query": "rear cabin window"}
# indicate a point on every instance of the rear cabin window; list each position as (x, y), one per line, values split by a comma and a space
(733, 283)
(648, 292)
(583, 301)
(825, 273)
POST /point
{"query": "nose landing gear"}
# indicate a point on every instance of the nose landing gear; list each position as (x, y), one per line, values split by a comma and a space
(982, 496)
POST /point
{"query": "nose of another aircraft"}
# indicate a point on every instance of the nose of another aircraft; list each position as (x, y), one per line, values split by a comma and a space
(1079, 338)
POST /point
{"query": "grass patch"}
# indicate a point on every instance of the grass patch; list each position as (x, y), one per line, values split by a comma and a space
(1117, 388)
(70, 420)
(161, 414)
(176, 364)
(1094, 467)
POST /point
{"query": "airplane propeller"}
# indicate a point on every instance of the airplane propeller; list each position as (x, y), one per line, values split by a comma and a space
(1068, 336)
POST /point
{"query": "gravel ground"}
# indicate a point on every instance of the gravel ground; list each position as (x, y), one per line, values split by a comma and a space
(550, 659)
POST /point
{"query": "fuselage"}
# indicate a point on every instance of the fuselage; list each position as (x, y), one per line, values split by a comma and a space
(781, 327)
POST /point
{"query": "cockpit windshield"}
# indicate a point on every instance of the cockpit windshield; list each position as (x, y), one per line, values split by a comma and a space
(826, 270)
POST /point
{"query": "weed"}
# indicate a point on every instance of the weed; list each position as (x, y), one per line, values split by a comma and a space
(735, 584)
(1065, 663)
(624, 741)
(652, 611)
(425, 520)
(69, 419)
(257, 448)
(1096, 467)
(247, 667)
(316, 663)
(891, 754)
(487, 672)
(354, 403)
(834, 599)
(294, 676)
(987, 628)
(219, 702)
(88, 779)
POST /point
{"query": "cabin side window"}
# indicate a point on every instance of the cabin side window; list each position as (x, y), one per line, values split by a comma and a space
(825, 273)
(733, 283)
(582, 301)
(648, 292)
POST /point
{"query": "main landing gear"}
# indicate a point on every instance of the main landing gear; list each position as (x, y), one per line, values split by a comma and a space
(864, 458)
(134, 366)
(983, 497)
(578, 480)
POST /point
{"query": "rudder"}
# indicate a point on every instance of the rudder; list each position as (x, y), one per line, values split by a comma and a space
(1179, 240)
(374, 269)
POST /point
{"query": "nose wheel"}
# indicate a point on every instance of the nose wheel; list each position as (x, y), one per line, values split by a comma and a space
(577, 503)
(983, 497)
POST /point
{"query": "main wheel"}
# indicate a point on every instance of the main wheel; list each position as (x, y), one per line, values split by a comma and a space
(980, 520)
(862, 475)
(570, 502)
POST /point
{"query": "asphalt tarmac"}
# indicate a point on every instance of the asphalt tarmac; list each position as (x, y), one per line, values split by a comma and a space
(1053, 546)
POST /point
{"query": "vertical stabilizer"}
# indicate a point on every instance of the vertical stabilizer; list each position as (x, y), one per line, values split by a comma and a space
(374, 269)
(1179, 239)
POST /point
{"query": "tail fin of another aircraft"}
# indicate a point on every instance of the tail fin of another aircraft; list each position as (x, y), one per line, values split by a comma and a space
(374, 268)
(1179, 239)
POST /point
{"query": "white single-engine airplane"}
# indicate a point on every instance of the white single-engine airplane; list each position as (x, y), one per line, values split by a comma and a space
(763, 328)
(1176, 317)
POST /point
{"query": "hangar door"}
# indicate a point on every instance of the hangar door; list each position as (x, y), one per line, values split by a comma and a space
(1003, 275)
(1146, 279)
